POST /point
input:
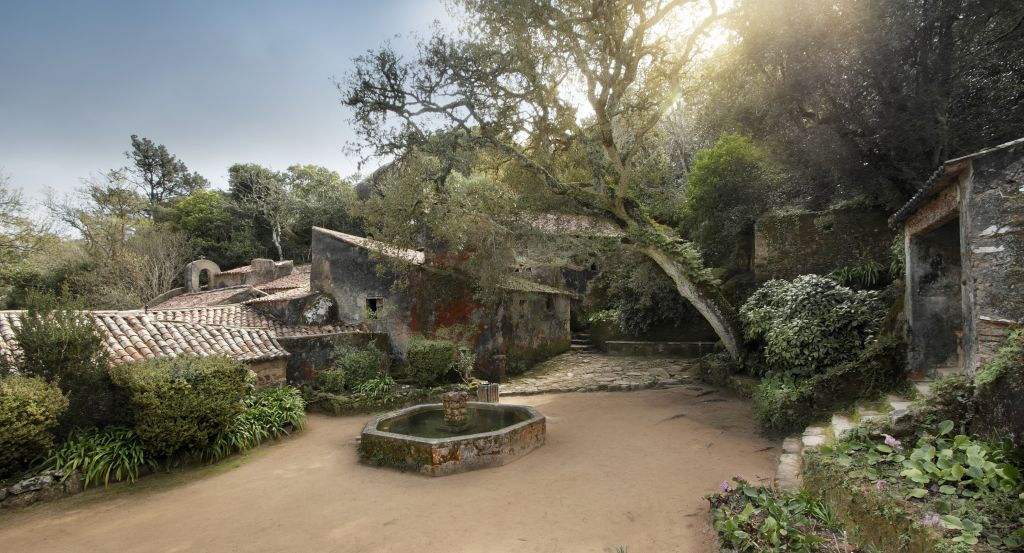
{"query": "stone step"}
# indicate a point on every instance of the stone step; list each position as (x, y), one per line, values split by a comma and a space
(579, 347)
(580, 341)
(841, 425)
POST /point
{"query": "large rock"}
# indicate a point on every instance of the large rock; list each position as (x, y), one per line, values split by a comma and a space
(32, 484)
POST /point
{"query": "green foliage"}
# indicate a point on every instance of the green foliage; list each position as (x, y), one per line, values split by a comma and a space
(783, 403)
(57, 341)
(949, 398)
(428, 361)
(965, 486)
(757, 518)
(465, 362)
(30, 408)
(331, 380)
(865, 274)
(728, 187)
(360, 365)
(1009, 357)
(641, 297)
(268, 414)
(716, 368)
(113, 453)
(182, 404)
(214, 221)
(376, 388)
(810, 323)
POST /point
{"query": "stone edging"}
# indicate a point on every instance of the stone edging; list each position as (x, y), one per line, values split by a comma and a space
(44, 487)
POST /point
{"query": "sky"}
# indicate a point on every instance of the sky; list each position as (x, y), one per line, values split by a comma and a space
(217, 82)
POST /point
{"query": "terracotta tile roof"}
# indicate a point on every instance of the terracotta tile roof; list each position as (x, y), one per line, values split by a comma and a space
(298, 279)
(283, 295)
(134, 336)
(218, 296)
(244, 316)
(411, 256)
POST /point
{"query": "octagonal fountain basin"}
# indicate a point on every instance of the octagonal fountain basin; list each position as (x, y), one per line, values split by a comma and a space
(426, 439)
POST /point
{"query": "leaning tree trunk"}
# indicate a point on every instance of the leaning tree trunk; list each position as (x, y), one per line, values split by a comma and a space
(705, 298)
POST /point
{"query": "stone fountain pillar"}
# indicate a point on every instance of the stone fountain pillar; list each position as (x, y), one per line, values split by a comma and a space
(456, 415)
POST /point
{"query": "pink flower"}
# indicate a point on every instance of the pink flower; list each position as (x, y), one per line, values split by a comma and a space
(724, 486)
(880, 484)
(932, 519)
(738, 477)
(892, 442)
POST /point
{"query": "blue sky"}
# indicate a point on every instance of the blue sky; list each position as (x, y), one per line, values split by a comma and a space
(216, 82)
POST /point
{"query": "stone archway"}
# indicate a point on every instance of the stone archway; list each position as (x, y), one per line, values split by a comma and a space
(194, 269)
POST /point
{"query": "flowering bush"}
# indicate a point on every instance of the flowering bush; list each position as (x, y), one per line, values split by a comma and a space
(811, 323)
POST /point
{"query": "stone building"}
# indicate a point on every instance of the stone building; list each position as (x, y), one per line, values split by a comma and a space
(529, 323)
(964, 245)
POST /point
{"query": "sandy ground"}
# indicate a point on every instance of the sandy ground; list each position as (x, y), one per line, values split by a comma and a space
(619, 469)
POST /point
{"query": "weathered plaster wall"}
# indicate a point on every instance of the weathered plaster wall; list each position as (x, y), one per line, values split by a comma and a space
(993, 250)
(787, 245)
(269, 373)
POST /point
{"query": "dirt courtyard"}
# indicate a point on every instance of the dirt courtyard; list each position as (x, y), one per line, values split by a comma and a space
(619, 469)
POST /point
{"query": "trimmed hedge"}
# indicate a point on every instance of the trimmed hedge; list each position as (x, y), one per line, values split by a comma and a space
(30, 409)
(783, 404)
(429, 360)
(182, 404)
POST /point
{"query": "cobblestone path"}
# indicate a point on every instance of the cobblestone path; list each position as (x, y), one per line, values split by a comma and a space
(592, 372)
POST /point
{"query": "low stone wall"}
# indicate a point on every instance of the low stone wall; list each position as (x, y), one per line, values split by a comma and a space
(689, 350)
(45, 487)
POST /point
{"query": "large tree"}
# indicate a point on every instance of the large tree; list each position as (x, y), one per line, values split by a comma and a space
(539, 82)
(158, 174)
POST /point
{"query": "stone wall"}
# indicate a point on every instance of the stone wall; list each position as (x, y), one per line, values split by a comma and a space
(269, 373)
(310, 354)
(518, 329)
(44, 487)
(787, 245)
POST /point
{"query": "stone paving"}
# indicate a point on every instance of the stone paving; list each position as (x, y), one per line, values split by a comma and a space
(594, 372)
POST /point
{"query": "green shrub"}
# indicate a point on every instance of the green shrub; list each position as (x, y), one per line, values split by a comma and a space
(376, 388)
(181, 404)
(783, 403)
(269, 413)
(716, 368)
(810, 323)
(950, 398)
(331, 381)
(101, 455)
(757, 518)
(360, 365)
(29, 411)
(65, 346)
(429, 361)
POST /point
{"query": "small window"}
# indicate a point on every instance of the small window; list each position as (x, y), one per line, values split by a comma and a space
(550, 303)
(374, 306)
(593, 267)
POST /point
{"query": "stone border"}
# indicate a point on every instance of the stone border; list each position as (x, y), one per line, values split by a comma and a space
(444, 456)
(44, 487)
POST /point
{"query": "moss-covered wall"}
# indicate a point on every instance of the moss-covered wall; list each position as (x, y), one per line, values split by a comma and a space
(789, 244)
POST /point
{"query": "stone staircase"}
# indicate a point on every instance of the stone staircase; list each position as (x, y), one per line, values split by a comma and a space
(581, 343)
(788, 474)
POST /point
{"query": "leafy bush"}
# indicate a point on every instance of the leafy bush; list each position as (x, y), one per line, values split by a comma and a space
(783, 403)
(811, 323)
(331, 381)
(950, 398)
(30, 408)
(101, 455)
(269, 413)
(65, 346)
(756, 518)
(182, 404)
(429, 360)
(963, 486)
(716, 368)
(360, 365)
(376, 388)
